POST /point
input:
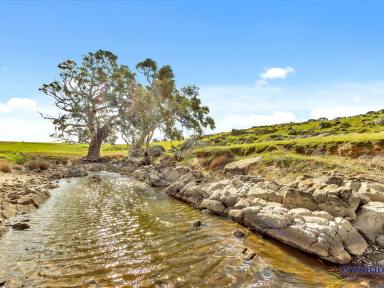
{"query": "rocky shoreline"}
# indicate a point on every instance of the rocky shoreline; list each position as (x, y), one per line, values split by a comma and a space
(23, 191)
(337, 218)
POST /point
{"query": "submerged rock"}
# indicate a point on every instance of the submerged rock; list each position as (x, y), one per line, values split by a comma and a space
(20, 226)
(239, 234)
(196, 224)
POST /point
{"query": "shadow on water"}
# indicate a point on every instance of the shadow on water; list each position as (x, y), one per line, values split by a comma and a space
(112, 234)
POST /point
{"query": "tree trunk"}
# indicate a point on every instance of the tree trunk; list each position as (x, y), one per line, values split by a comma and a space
(94, 149)
(96, 141)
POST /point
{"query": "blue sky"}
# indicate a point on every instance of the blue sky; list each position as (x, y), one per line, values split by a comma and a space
(256, 62)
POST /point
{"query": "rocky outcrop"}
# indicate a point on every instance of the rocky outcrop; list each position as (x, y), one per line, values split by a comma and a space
(313, 215)
(330, 194)
(21, 194)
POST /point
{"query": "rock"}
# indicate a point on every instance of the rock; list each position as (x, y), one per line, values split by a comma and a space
(76, 172)
(323, 214)
(235, 215)
(265, 194)
(380, 241)
(355, 185)
(239, 234)
(354, 243)
(374, 191)
(127, 169)
(250, 256)
(297, 198)
(338, 201)
(213, 205)
(370, 221)
(157, 181)
(156, 150)
(192, 193)
(379, 121)
(20, 226)
(196, 224)
(241, 167)
(174, 188)
(228, 196)
(8, 210)
(334, 180)
(242, 203)
(299, 212)
(268, 217)
(95, 179)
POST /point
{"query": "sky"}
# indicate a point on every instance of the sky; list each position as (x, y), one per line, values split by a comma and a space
(256, 62)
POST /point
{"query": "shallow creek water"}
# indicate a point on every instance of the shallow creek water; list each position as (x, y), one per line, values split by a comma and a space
(111, 234)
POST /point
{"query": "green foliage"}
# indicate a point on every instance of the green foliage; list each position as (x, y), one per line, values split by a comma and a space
(87, 96)
(160, 106)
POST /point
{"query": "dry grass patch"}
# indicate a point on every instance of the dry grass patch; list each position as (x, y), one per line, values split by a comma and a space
(5, 166)
(37, 164)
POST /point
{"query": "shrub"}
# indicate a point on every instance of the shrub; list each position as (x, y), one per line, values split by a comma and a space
(5, 166)
(38, 164)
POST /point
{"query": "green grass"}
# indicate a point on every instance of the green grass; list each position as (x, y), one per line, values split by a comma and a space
(19, 151)
(366, 123)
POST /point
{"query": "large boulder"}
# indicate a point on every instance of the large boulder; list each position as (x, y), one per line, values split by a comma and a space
(370, 221)
(334, 241)
(241, 167)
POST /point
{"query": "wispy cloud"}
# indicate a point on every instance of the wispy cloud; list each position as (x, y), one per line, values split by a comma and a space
(5, 68)
(274, 73)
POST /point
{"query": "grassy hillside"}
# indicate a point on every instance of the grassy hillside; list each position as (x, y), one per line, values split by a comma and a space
(352, 145)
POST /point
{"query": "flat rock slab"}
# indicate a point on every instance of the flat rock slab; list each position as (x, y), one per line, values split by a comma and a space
(241, 167)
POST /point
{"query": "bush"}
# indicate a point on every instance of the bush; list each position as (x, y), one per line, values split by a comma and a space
(38, 164)
(5, 166)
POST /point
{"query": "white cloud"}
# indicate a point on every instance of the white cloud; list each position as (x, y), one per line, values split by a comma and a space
(18, 104)
(274, 73)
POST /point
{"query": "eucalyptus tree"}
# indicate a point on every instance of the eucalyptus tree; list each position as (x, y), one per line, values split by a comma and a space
(88, 97)
(158, 105)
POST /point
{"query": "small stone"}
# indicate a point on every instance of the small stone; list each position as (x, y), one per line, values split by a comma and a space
(20, 226)
(196, 224)
(239, 234)
(95, 179)
(250, 256)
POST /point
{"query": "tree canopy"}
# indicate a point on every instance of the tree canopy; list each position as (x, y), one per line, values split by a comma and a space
(100, 98)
